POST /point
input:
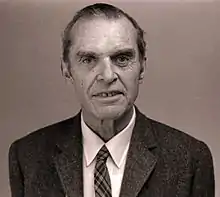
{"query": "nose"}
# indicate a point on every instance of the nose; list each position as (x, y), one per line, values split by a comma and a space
(107, 73)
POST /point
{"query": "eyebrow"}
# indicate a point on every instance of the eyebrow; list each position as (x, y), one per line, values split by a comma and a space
(86, 53)
(126, 51)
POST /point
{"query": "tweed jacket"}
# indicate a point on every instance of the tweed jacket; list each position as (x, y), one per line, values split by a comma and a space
(161, 162)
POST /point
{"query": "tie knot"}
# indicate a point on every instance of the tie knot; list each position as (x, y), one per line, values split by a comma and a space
(103, 154)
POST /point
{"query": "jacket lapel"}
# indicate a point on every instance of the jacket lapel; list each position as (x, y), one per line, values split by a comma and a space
(68, 159)
(140, 160)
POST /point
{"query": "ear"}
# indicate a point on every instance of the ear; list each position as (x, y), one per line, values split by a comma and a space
(142, 70)
(66, 70)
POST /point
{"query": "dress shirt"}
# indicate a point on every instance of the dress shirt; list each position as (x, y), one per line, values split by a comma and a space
(117, 147)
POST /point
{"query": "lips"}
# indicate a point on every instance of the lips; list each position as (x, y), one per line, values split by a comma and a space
(108, 94)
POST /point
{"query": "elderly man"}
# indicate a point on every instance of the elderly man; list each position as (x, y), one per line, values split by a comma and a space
(110, 148)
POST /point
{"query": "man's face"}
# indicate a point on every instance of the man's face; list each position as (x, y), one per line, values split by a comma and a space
(105, 66)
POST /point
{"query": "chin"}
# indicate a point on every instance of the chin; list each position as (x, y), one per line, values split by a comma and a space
(110, 112)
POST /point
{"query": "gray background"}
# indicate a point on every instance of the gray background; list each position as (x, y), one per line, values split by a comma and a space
(181, 86)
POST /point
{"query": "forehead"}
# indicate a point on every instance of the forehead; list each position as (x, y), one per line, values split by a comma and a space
(103, 35)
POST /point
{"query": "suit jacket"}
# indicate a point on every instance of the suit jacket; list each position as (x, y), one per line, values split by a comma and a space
(161, 162)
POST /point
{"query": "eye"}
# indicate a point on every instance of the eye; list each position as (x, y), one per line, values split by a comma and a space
(121, 60)
(87, 60)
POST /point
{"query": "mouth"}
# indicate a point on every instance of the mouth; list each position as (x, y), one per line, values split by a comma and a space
(108, 94)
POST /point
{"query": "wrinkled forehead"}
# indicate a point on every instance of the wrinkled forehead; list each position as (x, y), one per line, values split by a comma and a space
(103, 35)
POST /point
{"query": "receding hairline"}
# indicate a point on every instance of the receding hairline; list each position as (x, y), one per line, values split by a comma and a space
(92, 18)
(105, 11)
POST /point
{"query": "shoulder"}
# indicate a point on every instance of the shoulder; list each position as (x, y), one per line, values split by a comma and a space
(40, 141)
(172, 140)
(45, 133)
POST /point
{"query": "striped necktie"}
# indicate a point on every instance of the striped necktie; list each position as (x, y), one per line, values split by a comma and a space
(102, 181)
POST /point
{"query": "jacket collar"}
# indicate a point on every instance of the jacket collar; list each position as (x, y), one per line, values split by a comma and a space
(139, 165)
(68, 158)
(140, 159)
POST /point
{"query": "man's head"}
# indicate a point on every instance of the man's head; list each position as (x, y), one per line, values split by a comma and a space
(104, 56)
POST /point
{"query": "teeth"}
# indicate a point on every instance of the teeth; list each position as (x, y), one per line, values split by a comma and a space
(104, 94)
(109, 94)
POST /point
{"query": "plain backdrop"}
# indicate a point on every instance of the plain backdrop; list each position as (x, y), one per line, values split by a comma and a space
(181, 86)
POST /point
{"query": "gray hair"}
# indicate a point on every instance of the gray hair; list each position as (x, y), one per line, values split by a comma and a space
(101, 10)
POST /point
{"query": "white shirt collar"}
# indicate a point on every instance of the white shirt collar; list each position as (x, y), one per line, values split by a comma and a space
(117, 146)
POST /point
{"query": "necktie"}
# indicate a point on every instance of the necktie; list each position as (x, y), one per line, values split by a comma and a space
(102, 182)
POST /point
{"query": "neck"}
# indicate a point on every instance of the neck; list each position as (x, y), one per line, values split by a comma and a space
(107, 129)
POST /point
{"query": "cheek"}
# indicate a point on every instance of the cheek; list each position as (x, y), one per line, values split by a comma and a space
(131, 83)
(82, 87)
(79, 86)
(133, 79)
